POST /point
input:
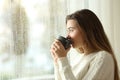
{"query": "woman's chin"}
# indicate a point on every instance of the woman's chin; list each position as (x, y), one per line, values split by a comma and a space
(73, 46)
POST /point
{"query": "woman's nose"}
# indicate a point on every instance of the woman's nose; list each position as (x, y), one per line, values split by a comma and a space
(68, 36)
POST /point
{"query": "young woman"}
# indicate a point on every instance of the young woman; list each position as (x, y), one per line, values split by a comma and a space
(95, 59)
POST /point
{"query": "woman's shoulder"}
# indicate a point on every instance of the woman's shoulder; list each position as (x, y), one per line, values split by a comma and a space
(104, 56)
(99, 55)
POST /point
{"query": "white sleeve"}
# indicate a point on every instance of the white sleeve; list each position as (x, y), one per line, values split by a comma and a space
(56, 72)
(102, 68)
(65, 72)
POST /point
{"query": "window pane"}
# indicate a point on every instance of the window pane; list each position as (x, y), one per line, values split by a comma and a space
(26, 34)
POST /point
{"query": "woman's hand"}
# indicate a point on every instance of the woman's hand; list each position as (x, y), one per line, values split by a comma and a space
(57, 50)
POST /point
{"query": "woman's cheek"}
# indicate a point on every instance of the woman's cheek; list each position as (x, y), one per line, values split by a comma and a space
(77, 39)
(74, 40)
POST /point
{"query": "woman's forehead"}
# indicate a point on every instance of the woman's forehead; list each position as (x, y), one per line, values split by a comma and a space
(72, 23)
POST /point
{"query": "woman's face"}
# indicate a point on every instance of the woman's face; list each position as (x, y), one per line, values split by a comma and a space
(75, 33)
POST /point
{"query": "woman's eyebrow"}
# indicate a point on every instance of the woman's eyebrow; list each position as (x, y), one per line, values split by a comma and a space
(71, 28)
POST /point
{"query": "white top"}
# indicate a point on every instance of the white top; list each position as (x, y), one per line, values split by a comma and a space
(95, 66)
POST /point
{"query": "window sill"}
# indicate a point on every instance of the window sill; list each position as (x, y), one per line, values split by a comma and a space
(46, 77)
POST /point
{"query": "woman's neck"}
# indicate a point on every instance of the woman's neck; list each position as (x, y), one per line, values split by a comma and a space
(87, 50)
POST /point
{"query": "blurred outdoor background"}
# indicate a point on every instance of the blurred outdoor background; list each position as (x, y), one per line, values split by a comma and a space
(28, 27)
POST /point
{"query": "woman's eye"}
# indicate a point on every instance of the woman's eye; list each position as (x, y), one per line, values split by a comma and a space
(71, 30)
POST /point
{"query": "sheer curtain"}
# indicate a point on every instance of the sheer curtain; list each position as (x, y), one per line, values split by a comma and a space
(28, 27)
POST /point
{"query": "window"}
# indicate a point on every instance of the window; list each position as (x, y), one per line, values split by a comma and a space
(26, 34)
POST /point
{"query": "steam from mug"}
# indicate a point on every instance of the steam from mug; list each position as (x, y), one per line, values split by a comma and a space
(65, 41)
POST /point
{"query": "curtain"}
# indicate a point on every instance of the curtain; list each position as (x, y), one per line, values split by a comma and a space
(28, 28)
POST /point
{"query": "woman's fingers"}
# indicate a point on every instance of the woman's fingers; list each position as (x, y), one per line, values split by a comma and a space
(58, 49)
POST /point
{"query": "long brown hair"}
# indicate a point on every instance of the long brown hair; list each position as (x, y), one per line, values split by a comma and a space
(94, 32)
